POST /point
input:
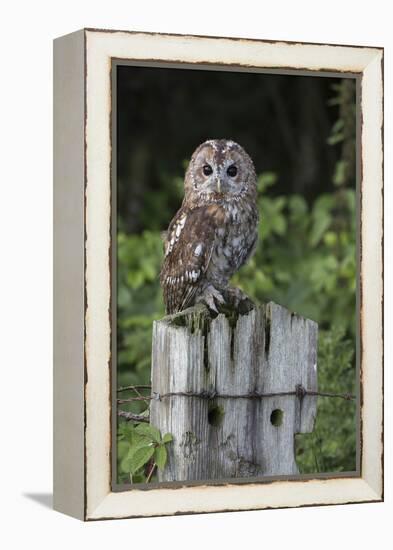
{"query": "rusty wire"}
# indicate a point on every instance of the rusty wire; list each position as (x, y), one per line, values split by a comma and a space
(299, 392)
(133, 416)
(135, 388)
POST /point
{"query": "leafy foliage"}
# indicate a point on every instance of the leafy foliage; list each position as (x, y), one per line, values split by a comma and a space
(330, 447)
(139, 302)
(140, 450)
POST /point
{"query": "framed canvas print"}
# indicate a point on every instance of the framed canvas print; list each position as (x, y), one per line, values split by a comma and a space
(218, 331)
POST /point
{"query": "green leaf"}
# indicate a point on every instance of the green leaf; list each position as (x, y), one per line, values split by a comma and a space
(321, 224)
(335, 138)
(266, 180)
(139, 458)
(338, 125)
(340, 172)
(139, 440)
(125, 466)
(167, 438)
(297, 206)
(160, 456)
(350, 195)
(125, 431)
(279, 225)
(122, 449)
(149, 431)
(330, 238)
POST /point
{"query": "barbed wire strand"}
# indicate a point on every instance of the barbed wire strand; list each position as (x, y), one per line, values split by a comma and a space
(132, 416)
(135, 387)
(299, 392)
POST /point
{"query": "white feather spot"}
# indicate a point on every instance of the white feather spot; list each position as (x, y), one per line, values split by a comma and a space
(175, 234)
(198, 249)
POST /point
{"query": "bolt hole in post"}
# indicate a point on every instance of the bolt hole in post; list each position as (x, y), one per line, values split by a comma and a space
(277, 417)
(215, 416)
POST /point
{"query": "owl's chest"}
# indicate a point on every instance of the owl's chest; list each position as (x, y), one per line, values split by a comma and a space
(234, 238)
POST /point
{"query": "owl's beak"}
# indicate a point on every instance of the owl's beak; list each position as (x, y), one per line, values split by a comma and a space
(218, 185)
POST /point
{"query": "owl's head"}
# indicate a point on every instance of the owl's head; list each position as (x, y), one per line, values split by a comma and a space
(219, 169)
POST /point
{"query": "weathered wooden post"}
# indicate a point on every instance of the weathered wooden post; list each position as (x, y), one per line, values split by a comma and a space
(229, 390)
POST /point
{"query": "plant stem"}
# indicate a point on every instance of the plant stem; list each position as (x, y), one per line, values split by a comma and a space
(151, 473)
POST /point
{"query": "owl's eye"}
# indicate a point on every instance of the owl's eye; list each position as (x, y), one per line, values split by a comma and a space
(232, 171)
(207, 169)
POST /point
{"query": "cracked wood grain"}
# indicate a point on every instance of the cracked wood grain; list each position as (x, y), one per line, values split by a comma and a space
(267, 350)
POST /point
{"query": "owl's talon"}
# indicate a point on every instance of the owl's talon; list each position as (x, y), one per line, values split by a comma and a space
(209, 301)
(236, 296)
(210, 296)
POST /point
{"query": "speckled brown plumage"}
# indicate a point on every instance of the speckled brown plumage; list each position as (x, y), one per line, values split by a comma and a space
(215, 231)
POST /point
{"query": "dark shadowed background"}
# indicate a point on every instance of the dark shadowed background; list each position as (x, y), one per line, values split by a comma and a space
(301, 133)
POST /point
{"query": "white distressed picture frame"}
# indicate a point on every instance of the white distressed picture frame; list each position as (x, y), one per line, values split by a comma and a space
(83, 301)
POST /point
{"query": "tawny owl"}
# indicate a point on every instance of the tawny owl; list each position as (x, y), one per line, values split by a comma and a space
(215, 231)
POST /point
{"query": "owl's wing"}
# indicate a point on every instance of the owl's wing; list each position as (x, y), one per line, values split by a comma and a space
(188, 248)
